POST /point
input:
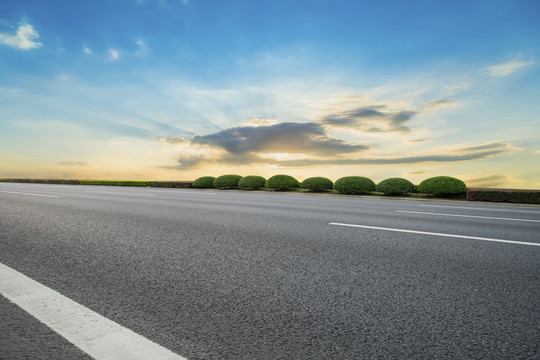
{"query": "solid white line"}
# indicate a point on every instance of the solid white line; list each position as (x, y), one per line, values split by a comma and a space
(22, 193)
(477, 208)
(438, 234)
(94, 334)
(467, 216)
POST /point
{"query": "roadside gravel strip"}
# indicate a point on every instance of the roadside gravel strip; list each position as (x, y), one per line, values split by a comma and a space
(208, 274)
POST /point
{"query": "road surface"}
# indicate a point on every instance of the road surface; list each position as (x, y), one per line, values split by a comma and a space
(213, 274)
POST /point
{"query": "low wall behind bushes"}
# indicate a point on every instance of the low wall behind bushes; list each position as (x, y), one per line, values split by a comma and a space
(167, 184)
(504, 195)
(43, 181)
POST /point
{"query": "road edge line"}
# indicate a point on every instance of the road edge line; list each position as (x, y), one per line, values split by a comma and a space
(99, 337)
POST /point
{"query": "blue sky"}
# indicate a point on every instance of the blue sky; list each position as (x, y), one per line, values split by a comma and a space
(178, 89)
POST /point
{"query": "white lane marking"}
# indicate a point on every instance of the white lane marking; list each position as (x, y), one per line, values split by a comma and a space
(438, 234)
(94, 334)
(477, 208)
(467, 216)
(23, 193)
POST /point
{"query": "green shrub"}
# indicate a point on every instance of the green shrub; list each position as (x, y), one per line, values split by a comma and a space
(204, 182)
(442, 186)
(227, 181)
(317, 184)
(395, 186)
(354, 185)
(252, 182)
(281, 182)
(505, 195)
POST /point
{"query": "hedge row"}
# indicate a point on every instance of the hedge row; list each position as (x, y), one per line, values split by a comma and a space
(504, 195)
(439, 186)
(442, 186)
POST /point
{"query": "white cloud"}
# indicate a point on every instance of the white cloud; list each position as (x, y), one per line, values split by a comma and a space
(506, 68)
(457, 86)
(87, 50)
(114, 54)
(140, 42)
(23, 39)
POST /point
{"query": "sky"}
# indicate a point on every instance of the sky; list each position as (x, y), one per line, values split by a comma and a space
(178, 89)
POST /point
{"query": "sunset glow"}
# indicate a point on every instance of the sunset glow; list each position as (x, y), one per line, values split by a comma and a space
(174, 90)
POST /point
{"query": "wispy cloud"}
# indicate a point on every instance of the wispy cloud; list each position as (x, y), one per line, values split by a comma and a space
(506, 68)
(114, 54)
(23, 39)
(494, 145)
(73, 163)
(457, 86)
(440, 104)
(87, 50)
(493, 180)
(374, 118)
(459, 154)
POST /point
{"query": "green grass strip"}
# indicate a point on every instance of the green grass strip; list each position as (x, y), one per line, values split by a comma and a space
(114, 183)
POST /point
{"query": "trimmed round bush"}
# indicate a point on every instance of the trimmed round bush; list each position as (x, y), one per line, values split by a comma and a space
(354, 185)
(252, 182)
(442, 186)
(281, 182)
(395, 186)
(227, 181)
(317, 184)
(204, 182)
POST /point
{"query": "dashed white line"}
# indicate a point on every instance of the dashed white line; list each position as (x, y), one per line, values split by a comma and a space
(477, 208)
(94, 334)
(438, 234)
(30, 194)
(467, 216)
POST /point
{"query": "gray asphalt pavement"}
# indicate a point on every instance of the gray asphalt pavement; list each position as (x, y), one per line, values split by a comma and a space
(254, 275)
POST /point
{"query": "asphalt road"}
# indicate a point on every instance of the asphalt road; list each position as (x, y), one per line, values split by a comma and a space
(255, 275)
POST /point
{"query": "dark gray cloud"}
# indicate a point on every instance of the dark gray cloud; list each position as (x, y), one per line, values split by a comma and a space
(174, 140)
(194, 161)
(460, 154)
(488, 146)
(73, 163)
(288, 137)
(187, 162)
(398, 160)
(249, 158)
(376, 118)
